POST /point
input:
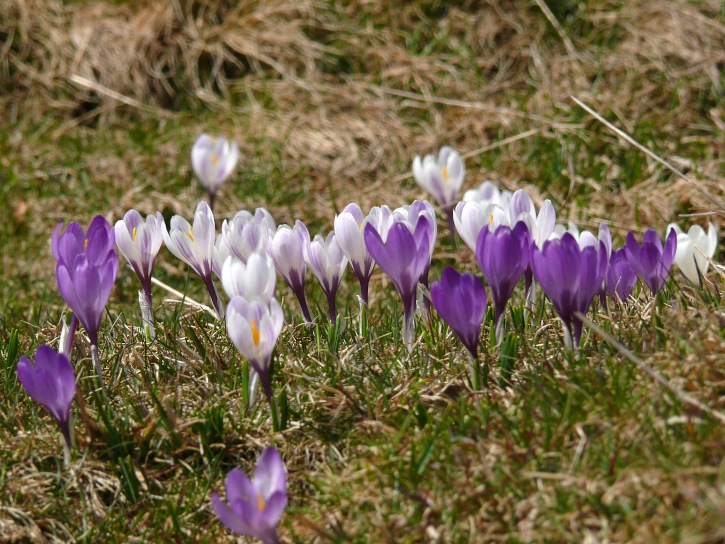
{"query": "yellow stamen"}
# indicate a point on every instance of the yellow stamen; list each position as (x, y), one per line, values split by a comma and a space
(85, 244)
(362, 225)
(444, 171)
(490, 220)
(261, 504)
(190, 233)
(133, 234)
(255, 332)
(214, 160)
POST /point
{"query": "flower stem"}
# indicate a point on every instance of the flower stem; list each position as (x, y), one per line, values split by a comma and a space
(300, 294)
(215, 300)
(66, 336)
(409, 320)
(97, 364)
(147, 313)
(331, 303)
(474, 370)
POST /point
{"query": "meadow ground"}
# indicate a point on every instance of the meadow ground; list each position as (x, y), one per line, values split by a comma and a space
(329, 102)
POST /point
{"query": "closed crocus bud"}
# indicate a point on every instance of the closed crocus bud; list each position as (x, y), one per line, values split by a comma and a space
(695, 249)
(254, 507)
(327, 261)
(253, 327)
(194, 244)
(287, 248)
(213, 159)
(651, 261)
(541, 224)
(460, 300)
(254, 280)
(349, 226)
(620, 278)
(51, 383)
(571, 277)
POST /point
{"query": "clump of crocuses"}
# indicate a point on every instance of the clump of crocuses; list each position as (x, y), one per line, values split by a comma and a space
(86, 269)
(254, 506)
(51, 383)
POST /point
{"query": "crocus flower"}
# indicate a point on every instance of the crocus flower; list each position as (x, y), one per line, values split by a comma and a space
(460, 300)
(140, 241)
(243, 235)
(253, 327)
(254, 280)
(651, 261)
(349, 226)
(213, 159)
(541, 224)
(51, 383)
(327, 261)
(287, 248)
(254, 507)
(488, 193)
(403, 255)
(620, 278)
(442, 178)
(570, 277)
(695, 249)
(470, 218)
(194, 244)
(503, 256)
(412, 214)
(86, 270)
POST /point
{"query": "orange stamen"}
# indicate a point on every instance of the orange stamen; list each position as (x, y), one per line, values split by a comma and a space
(261, 504)
(133, 234)
(255, 332)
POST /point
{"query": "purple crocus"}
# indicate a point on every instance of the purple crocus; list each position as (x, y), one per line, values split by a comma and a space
(326, 260)
(620, 278)
(254, 507)
(51, 383)
(287, 248)
(503, 256)
(403, 254)
(570, 277)
(651, 261)
(86, 269)
(460, 300)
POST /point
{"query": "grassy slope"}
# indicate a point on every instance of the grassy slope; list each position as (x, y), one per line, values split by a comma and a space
(329, 102)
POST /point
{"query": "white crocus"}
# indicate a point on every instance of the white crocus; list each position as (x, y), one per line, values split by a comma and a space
(287, 248)
(213, 159)
(243, 235)
(695, 249)
(442, 178)
(194, 244)
(488, 193)
(471, 217)
(327, 261)
(253, 280)
(541, 224)
(349, 230)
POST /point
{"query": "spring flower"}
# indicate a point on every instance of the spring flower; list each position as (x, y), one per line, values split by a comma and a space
(651, 261)
(349, 225)
(253, 327)
(412, 214)
(86, 269)
(695, 249)
(51, 383)
(570, 277)
(213, 159)
(254, 507)
(140, 241)
(404, 254)
(503, 256)
(442, 178)
(541, 225)
(460, 300)
(194, 244)
(243, 235)
(327, 261)
(254, 280)
(620, 278)
(470, 218)
(288, 247)
(488, 193)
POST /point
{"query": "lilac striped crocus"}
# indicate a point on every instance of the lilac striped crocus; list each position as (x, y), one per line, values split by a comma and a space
(243, 235)
(255, 506)
(349, 225)
(460, 300)
(86, 269)
(253, 280)
(287, 248)
(471, 217)
(139, 241)
(650, 260)
(403, 254)
(503, 256)
(51, 383)
(194, 244)
(327, 261)
(570, 276)
(442, 178)
(213, 159)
